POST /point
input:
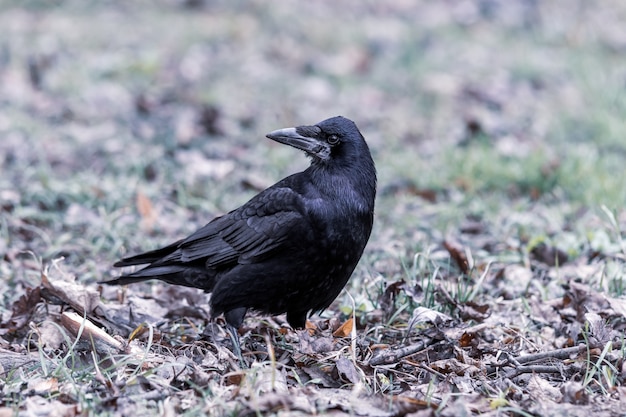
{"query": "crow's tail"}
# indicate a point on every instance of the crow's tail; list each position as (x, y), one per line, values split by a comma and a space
(186, 275)
(148, 257)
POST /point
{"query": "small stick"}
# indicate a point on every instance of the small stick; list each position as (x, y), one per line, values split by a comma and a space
(390, 356)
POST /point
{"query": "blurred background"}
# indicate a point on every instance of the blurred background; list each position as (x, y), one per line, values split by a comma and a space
(498, 128)
(126, 123)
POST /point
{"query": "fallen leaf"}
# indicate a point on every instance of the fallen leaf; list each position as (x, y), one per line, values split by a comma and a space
(43, 386)
(617, 304)
(264, 378)
(319, 377)
(473, 311)
(542, 390)
(63, 287)
(574, 393)
(427, 315)
(311, 344)
(549, 255)
(468, 339)
(347, 370)
(516, 281)
(23, 309)
(51, 336)
(345, 329)
(388, 297)
(453, 366)
(146, 210)
(209, 120)
(459, 254)
(39, 406)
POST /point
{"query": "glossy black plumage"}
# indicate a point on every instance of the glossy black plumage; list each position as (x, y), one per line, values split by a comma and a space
(292, 247)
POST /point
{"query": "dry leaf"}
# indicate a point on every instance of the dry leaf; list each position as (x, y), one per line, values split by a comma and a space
(468, 339)
(345, 329)
(39, 406)
(549, 255)
(541, 390)
(453, 366)
(617, 304)
(427, 315)
(43, 385)
(574, 393)
(146, 210)
(459, 254)
(310, 344)
(51, 336)
(473, 311)
(23, 309)
(347, 370)
(77, 296)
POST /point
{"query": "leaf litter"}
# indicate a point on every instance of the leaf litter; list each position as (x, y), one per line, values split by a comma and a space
(315, 369)
(492, 314)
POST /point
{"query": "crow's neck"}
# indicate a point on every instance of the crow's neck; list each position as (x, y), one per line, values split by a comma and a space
(347, 184)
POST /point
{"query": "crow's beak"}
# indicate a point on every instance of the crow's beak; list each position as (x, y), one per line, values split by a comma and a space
(306, 138)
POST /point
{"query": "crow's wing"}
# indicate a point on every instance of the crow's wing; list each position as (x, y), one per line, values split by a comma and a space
(250, 233)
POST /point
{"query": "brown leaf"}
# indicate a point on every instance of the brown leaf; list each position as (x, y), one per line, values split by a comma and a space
(310, 327)
(388, 297)
(234, 378)
(310, 344)
(456, 367)
(403, 186)
(209, 120)
(457, 252)
(43, 386)
(23, 309)
(549, 255)
(474, 311)
(574, 393)
(345, 329)
(146, 210)
(467, 339)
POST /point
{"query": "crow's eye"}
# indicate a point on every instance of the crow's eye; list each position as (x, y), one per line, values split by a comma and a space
(333, 139)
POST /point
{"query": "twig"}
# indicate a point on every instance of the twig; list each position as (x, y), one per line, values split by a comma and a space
(390, 356)
(534, 369)
(553, 354)
(427, 369)
(518, 363)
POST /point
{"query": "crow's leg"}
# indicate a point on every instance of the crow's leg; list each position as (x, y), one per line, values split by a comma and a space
(234, 319)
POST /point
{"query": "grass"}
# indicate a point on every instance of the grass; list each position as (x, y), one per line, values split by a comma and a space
(499, 129)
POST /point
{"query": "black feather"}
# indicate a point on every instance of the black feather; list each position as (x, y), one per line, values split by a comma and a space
(292, 247)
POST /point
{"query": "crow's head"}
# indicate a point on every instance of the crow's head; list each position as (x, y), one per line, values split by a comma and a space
(324, 141)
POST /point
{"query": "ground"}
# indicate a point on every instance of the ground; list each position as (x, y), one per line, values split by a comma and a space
(494, 280)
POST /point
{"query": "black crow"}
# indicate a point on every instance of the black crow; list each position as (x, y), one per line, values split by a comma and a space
(291, 248)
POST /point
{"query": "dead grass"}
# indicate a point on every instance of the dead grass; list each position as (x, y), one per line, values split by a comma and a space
(494, 280)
